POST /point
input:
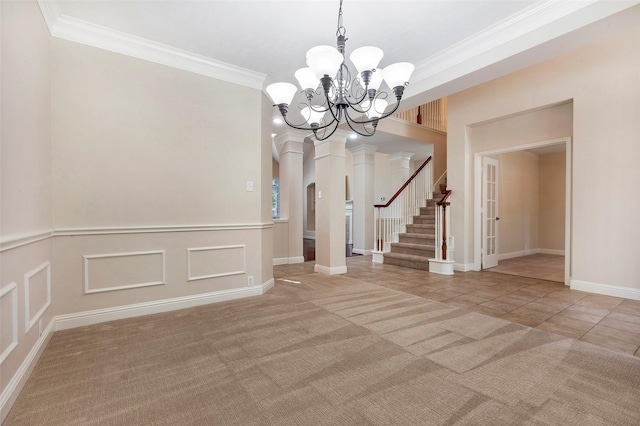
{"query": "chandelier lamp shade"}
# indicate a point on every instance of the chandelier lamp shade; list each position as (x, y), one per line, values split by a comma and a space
(333, 94)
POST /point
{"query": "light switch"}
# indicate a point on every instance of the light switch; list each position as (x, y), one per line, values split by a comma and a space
(249, 186)
(319, 194)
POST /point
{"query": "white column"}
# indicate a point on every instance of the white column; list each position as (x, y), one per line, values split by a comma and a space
(330, 205)
(363, 198)
(400, 168)
(290, 149)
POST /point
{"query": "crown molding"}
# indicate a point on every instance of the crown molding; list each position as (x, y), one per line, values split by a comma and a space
(89, 34)
(541, 22)
(50, 13)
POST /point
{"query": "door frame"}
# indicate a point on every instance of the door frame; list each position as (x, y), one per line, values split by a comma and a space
(477, 201)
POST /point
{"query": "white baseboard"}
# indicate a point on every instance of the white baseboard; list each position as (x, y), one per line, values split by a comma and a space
(551, 251)
(336, 270)
(606, 289)
(363, 252)
(12, 390)
(505, 256)
(288, 260)
(463, 267)
(97, 316)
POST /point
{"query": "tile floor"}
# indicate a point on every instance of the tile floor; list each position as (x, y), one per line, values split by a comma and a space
(542, 266)
(610, 322)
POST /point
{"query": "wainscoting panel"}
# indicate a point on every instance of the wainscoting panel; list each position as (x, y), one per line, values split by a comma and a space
(9, 324)
(213, 262)
(37, 294)
(121, 271)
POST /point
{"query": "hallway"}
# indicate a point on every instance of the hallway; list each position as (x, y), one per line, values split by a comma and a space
(540, 266)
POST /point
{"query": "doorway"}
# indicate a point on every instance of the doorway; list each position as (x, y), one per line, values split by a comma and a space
(484, 223)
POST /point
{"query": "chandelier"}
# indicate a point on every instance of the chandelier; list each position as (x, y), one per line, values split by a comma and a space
(331, 93)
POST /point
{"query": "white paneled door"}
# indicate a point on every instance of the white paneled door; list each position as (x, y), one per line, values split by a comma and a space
(489, 213)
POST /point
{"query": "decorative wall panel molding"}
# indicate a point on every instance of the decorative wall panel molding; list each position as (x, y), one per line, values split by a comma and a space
(9, 331)
(29, 288)
(15, 241)
(214, 262)
(122, 271)
(161, 229)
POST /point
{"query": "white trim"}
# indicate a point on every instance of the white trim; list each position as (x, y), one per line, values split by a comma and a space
(551, 251)
(441, 267)
(224, 274)
(80, 319)
(377, 256)
(15, 385)
(606, 289)
(87, 287)
(536, 24)
(296, 259)
(50, 12)
(87, 33)
(160, 229)
(29, 321)
(280, 261)
(16, 241)
(13, 288)
(268, 285)
(336, 270)
(329, 154)
(513, 254)
(463, 267)
(364, 252)
(528, 252)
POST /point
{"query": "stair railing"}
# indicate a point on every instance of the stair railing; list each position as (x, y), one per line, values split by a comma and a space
(444, 245)
(390, 219)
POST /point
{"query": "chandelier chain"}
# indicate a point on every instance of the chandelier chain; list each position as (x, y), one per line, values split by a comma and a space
(341, 29)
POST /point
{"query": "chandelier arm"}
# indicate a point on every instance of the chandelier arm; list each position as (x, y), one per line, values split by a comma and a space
(366, 133)
(310, 128)
(372, 120)
(325, 136)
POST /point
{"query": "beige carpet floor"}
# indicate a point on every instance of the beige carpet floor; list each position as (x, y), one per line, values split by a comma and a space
(326, 350)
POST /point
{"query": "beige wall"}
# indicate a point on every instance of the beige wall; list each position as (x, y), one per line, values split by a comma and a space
(552, 189)
(150, 145)
(602, 80)
(518, 202)
(25, 187)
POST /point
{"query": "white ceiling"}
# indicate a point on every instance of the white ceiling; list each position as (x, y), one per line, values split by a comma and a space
(454, 43)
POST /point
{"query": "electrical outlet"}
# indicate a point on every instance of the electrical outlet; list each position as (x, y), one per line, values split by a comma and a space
(250, 280)
(40, 327)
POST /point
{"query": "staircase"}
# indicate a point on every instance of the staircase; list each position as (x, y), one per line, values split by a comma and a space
(417, 245)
